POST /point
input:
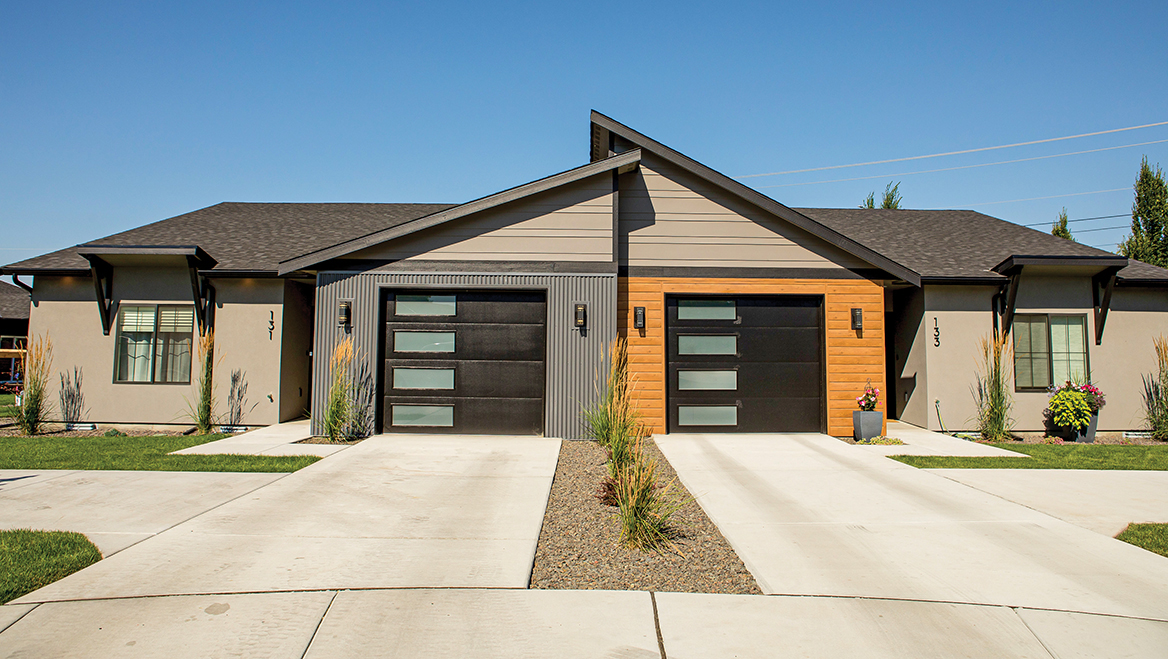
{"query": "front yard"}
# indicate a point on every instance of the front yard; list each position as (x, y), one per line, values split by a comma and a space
(1049, 456)
(31, 559)
(134, 453)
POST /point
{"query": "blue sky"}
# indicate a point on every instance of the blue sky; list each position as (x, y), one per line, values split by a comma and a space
(114, 115)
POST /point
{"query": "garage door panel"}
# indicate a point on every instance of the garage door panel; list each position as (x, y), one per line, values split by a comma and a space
(481, 307)
(505, 379)
(476, 341)
(756, 344)
(487, 416)
(796, 414)
(758, 313)
(753, 379)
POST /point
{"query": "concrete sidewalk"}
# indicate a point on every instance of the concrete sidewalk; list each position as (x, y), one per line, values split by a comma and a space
(392, 511)
(279, 439)
(810, 515)
(449, 623)
(919, 441)
(1104, 501)
(116, 509)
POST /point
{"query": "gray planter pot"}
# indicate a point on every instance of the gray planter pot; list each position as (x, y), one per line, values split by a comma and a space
(1085, 436)
(866, 425)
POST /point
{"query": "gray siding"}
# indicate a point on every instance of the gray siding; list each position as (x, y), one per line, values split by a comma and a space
(574, 358)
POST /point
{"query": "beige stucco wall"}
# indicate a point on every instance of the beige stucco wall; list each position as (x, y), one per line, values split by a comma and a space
(962, 316)
(910, 368)
(64, 307)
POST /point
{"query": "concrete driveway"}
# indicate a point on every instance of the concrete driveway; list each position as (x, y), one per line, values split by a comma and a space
(393, 511)
(810, 515)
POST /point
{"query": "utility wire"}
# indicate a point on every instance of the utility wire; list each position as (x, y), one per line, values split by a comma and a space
(1053, 196)
(949, 169)
(1100, 229)
(956, 153)
(1079, 219)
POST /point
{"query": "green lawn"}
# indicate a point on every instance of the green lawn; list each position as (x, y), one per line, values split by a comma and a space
(6, 405)
(1153, 537)
(32, 559)
(1048, 456)
(134, 453)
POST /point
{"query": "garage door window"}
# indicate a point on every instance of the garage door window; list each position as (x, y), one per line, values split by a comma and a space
(423, 415)
(425, 305)
(706, 310)
(707, 415)
(423, 341)
(423, 378)
(707, 380)
(707, 344)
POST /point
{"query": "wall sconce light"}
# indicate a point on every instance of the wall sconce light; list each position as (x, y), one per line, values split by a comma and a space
(344, 313)
(857, 319)
(638, 317)
(581, 316)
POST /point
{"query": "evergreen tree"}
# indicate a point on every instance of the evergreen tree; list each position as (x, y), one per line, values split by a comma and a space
(891, 197)
(1060, 226)
(1148, 241)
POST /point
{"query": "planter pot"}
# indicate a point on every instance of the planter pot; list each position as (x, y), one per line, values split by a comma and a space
(1085, 436)
(866, 425)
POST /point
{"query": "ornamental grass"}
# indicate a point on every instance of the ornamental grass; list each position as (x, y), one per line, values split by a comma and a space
(33, 412)
(338, 412)
(202, 411)
(991, 392)
(1156, 392)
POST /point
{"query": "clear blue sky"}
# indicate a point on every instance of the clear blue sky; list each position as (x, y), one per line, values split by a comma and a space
(114, 115)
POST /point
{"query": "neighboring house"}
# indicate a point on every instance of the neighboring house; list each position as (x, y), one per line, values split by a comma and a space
(14, 303)
(495, 316)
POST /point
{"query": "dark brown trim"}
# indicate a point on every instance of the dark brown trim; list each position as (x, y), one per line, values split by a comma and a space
(46, 272)
(26, 287)
(1010, 293)
(1019, 260)
(624, 162)
(239, 274)
(756, 198)
(1101, 299)
(193, 253)
(964, 281)
(748, 273)
(462, 267)
(103, 288)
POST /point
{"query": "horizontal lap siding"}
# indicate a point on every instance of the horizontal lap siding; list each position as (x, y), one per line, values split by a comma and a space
(852, 358)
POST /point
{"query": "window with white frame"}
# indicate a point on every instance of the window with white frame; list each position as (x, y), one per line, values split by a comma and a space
(1049, 348)
(154, 344)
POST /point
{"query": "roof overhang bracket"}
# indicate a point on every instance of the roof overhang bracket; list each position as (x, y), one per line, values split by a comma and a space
(1010, 292)
(203, 295)
(1102, 285)
(103, 288)
(26, 287)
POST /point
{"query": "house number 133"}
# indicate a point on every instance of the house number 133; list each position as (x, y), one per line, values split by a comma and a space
(936, 333)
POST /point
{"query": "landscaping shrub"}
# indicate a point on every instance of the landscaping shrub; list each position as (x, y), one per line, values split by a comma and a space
(362, 398)
(202, 411)
(338, 410)
(614, 418)
(1156, 392)
(237, 407)
(34, 406)
(72, 400)
(992, 390)
(643, 507)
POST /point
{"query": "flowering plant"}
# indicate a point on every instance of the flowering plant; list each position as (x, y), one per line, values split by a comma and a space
(868, 401)
(1095, 397)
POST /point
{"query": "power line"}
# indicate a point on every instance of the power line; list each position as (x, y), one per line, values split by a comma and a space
(1080, 219)
(1100, 229)
(949, 169)
(1053, 196)
(957, 153)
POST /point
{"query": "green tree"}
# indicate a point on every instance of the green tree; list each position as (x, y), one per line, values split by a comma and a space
(1148, 241)
(1060, 226)
(891, 197)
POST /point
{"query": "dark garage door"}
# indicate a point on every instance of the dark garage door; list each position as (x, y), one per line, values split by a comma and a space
(745, 364)
(464, 362)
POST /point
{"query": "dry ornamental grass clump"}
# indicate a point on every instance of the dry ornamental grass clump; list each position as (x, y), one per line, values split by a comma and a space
(33, 412)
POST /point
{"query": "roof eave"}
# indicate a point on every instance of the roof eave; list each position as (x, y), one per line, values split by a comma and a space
(754, 197)
(621, 162)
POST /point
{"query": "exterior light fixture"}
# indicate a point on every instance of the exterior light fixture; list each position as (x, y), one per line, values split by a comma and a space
(857, 318)
(580, 319)
(344, 313)
(638, 317)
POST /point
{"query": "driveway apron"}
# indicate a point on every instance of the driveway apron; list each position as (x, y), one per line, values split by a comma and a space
(391, 512)
(810, 515)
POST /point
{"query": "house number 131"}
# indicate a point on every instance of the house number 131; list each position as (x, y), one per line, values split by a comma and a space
(271, 324)
(936, 333)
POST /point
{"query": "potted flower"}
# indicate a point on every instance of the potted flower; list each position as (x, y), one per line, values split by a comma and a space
(867, 422)
(1074, 410)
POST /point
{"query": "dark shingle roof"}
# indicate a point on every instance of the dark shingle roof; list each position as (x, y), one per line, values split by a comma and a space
(251, 236)
(14, 301)
(955, 243)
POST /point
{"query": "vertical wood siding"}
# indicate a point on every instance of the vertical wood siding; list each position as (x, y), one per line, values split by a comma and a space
(573, 357)
(852, 358)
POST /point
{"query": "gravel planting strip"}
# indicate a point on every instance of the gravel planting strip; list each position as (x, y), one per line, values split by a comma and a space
(579, 544)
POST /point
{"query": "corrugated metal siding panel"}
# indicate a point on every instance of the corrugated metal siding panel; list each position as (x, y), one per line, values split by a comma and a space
(574, 358)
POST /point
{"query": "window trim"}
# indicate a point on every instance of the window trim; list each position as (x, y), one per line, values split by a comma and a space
(153, 344)
(1049, 348)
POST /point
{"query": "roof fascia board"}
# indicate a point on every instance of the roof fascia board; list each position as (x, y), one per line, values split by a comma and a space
(1019, 260)
(757, 198)
(622, 162)
(192, 252)
(45, 272)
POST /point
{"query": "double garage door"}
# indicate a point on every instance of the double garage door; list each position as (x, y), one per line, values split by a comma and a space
(464, 362)
(745, 364)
